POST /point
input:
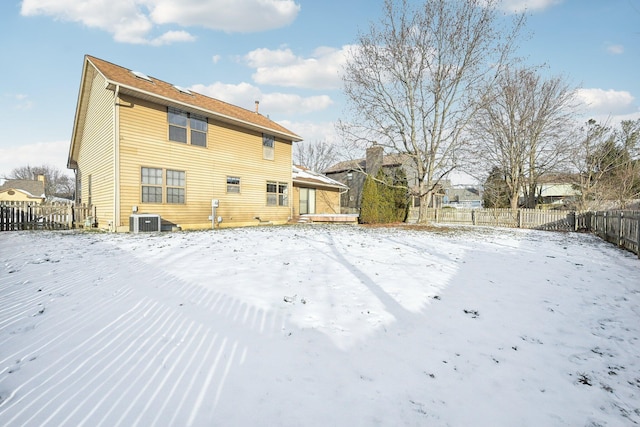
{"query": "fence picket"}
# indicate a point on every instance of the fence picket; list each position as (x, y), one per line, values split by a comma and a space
(16, 215)
(621, 228)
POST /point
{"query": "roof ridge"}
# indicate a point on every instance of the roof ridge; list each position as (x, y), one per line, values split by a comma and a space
(199, 101)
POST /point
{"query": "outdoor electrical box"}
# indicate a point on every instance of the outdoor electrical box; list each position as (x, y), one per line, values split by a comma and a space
(214, 205)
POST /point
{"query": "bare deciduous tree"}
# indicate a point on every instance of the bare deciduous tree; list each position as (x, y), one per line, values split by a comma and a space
(317, 156)
(595, 159)
(626, 178)
(57, 183)
(523, 128)
(608, 163)
(413, 80)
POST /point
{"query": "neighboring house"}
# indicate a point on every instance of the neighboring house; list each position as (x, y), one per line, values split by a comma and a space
(314, 193)
(555, 189)
(23, 190)
(354, 172)
(461, 196)
(141, 145)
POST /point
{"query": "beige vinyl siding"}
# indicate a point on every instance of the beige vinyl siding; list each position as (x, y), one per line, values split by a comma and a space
(96, 155)
(327, 200)
(18, 196)
(230, 151)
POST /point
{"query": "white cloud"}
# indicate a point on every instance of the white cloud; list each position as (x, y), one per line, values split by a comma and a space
(290, 104)
(313, 131)
(41, 153)
(22, 102)
(215, 59)
(134, 21)
(245, 95)
(517, 6)
(260, 58)
(283, 68)
(244, 16)
(606, 102)
(615, 49)
(171, 37)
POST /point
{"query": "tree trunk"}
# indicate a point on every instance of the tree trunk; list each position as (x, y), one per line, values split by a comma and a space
(425, 201)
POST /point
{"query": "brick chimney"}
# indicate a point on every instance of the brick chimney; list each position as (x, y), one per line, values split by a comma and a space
(257, 105)
(374, 159)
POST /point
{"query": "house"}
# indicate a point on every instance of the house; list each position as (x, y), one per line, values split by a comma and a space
(316, 197)
(554, 190)
(354, 172)
(23, 190)
(142, 146)
(557, 189)
(461, 196)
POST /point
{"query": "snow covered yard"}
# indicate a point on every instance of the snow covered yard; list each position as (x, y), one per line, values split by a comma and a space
(317, 326)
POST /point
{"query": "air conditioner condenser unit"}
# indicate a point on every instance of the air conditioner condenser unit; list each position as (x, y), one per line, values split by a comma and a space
(144, 222)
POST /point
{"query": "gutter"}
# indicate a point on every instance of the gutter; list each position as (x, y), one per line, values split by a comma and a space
(208, 113)
(116, 161)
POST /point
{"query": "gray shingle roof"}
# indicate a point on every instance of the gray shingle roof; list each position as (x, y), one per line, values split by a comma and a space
(33, 187)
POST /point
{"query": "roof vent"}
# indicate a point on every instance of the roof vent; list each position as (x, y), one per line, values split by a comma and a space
(182, 89)
(141, 75)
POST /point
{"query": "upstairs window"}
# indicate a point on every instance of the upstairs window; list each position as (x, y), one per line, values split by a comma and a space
(268, 142)
(178, 125)
(198, 130)
(187, 128)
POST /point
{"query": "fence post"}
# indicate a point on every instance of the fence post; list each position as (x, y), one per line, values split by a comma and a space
(69, 216)
(638, 234)
(620, 231)
(519, 218)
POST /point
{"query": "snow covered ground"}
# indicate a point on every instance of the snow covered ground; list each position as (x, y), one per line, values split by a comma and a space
(318, 326)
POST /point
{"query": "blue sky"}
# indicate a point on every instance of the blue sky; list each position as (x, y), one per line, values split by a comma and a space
(285, 53)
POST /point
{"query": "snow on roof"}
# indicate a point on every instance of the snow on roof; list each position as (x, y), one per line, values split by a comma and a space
(302, 174)
(30, 187)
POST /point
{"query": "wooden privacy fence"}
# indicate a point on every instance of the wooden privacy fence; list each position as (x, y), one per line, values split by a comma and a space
(551, 220)
(619, 227)
(45, 216)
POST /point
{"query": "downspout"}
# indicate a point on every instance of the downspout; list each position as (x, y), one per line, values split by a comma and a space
(116, 161)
